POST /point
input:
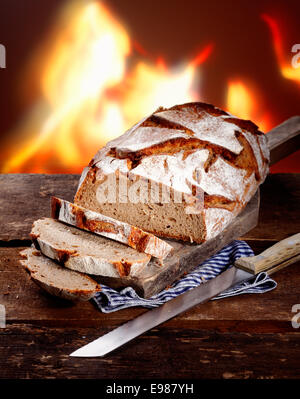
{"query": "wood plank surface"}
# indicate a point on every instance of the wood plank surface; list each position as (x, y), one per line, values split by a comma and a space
(279, 215)
(283, 139)
(39, 352)
(249, 336)
(25, 198)
(26, 302)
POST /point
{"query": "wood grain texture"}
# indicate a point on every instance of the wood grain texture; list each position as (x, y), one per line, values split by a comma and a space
(278, 256)
(249, 336)
(25, 302)
(26, 197)
(284, 139)
(38, 352)
(279, 215)
(151, 280)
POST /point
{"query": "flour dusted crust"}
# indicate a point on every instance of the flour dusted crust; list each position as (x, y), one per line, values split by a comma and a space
(175, 170)
(205, 126)
(195, 149)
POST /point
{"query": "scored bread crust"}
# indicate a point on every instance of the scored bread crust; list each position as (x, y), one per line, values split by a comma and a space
(108, 227)
(190, 149)
(57, 280)
(86, 252)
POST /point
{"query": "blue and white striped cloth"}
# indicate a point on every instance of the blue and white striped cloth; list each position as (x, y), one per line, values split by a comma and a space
(109, 300)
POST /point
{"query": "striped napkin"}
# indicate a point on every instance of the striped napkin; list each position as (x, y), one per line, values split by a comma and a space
(109, 300)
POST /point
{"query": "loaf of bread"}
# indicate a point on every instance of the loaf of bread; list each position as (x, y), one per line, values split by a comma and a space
(86, 252)
(106, 226)
(57, 280)
(183, 172)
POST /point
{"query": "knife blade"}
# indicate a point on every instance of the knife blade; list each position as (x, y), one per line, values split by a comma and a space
(154, 317)
(285, 252)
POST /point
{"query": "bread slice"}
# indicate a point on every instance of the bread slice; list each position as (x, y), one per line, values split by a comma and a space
(184, 172)
(57, 280)
(86, 252)
(108, 227)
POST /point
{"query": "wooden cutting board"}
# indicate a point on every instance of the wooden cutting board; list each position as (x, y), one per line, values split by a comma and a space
(151, 280)
(26, 198)
(282, 141)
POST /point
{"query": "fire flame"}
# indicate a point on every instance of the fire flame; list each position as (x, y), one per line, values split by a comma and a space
(91, 93)
(245, 101)
(88, 94)
(246, 104)
(285, 66)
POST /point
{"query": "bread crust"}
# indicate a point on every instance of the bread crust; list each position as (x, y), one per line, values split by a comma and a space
(188, 147)
(74, 294)
(84, 252)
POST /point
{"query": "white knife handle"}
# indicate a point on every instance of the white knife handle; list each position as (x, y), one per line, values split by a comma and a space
(277, 257)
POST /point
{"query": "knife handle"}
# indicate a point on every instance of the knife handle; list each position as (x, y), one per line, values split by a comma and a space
(275, 258)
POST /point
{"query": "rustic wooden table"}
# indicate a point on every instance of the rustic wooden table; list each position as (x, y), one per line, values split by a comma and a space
(249, 336)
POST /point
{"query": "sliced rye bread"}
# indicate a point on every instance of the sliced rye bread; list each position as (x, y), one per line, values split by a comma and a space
(86, 252)
(183, 173)
(97, 223)
(57, 280)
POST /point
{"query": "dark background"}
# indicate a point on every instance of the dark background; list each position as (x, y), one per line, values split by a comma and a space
(176, 30)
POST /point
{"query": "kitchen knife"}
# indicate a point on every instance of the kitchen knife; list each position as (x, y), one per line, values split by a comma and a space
(273, 259)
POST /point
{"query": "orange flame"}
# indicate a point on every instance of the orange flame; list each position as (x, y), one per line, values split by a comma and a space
(88, 57)
(88, 94)
(246, 104)
(244, 100)
(285, 66)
